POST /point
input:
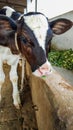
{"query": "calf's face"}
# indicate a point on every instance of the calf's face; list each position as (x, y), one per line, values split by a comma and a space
(36, 39)
(35, 36)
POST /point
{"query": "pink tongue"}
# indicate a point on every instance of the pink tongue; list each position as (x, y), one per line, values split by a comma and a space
(44, 70)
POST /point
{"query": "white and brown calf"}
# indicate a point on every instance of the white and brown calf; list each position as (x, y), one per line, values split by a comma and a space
(10, 12)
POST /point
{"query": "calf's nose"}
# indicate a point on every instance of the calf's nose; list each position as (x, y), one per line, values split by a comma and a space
(43, 70)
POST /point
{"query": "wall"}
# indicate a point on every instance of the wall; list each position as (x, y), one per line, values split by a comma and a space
(64, 41)
(53, 8)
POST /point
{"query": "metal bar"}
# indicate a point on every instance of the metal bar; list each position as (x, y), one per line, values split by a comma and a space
(35, 5)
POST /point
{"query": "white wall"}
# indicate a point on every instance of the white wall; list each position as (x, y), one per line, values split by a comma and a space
(51, 8)
(54, 8)
(64, 41)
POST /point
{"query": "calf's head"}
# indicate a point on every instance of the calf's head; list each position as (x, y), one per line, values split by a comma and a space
(36, 34)
(8, 28)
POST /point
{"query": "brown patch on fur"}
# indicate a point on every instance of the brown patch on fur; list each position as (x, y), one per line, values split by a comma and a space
(66, 86)
(5, 25)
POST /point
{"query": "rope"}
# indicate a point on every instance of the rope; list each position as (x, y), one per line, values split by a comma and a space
(16, 44)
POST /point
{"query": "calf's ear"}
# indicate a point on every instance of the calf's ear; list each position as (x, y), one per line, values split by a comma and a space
(7, 30)
(60, 26)
(7, 27)
(6, 22)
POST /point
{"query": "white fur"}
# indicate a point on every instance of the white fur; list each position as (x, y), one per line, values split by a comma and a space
(9, 11)
(10, 59)
(39, 25)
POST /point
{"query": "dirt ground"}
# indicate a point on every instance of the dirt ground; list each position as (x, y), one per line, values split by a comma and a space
(10, 117)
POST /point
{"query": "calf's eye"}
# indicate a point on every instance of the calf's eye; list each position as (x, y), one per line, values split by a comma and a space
(23, 39)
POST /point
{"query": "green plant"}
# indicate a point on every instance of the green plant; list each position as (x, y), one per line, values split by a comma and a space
(62, 58)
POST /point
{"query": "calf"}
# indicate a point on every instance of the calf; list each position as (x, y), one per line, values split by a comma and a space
(8, 11)
(30, 36)
(6, 55)
(9, 54)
